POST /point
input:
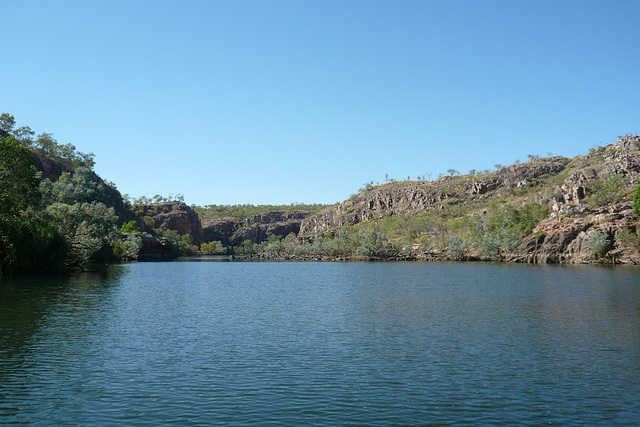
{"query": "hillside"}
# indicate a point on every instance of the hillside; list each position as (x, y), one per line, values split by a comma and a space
(570, 200)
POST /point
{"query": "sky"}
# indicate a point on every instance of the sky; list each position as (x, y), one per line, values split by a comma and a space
(303, 101)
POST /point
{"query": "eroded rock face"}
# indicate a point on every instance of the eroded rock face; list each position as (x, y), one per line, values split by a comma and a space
(527, 174)
(175, 216)
(256, 228)
(565, 238)
(572, 188)
(383, 200)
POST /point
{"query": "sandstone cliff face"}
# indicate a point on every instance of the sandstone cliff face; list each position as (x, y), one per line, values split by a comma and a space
(411, 196)
(256, 228)
(50, 168)
(175, 216)
(585, 194)
(616, 166)
(565, 238)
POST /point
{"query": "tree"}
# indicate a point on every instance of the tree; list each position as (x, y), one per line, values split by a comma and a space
(452, 172)
(76, 188)
(127, 247)
(18, 179)
(85, 226)
(24, 135)
(636, 202)
(22, 240)
(47, 143)
(7, 122)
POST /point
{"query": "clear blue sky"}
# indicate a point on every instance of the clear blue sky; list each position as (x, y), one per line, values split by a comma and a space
(303, 101)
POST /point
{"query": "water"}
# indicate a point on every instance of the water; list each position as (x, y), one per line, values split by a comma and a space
(238, 343)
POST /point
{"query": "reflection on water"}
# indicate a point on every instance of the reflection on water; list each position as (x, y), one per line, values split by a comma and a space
(217, 342)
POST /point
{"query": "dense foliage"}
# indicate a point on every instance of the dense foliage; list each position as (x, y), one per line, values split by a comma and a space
(27, 238)
(45, 225)
(349, 242)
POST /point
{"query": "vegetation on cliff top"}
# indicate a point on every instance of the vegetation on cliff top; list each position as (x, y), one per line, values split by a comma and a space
(242, 212)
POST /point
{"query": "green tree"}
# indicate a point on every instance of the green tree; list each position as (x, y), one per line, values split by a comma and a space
(85, 226)
(636, 202)
(7, 122)
(24, 135)
(18, 179)
(31, 244)
(47, 143)
(213, 248)
(74, 188)
(28, 242)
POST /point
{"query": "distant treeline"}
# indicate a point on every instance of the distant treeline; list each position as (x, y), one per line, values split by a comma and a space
(212, 212)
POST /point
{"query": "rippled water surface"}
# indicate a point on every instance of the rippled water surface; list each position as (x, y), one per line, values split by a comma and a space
(205, 343)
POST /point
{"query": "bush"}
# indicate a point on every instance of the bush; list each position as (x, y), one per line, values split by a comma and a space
(636, 202)
(213, 248)
(128, 247)
(457, 246)
(599, 243)
(628, 239)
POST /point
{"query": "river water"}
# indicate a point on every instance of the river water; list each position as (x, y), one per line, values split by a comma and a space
(286, 343)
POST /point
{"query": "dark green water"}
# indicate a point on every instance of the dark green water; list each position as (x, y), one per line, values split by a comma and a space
(206, 343)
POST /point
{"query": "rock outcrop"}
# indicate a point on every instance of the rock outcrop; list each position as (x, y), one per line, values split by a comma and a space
(176, 216)
(401, 198)
(565, 238)
(256, 228)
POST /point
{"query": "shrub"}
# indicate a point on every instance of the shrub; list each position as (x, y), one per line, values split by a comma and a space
(128, 247)
(628, 239)
(636, 202)
(599, 243)
(457, 246)
(213, 248)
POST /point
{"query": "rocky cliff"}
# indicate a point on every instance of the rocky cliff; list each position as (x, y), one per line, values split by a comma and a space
(440, 195)
(584, 194)
(256, 228)
(174, 216)
(565, 238)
